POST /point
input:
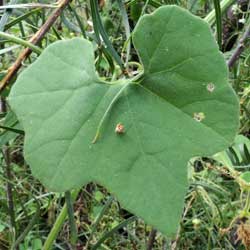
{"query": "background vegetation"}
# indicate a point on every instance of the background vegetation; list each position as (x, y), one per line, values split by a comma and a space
(216, 212)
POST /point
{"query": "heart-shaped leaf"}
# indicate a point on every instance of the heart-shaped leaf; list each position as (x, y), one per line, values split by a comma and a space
(135, 138)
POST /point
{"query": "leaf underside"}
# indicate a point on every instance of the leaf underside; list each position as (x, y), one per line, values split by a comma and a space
(182, 108)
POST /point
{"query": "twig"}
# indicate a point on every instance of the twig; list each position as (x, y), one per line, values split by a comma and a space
(240, 48)
(34, 40)
(151, 240)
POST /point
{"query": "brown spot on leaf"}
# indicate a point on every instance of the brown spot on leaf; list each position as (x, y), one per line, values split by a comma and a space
(119, 129)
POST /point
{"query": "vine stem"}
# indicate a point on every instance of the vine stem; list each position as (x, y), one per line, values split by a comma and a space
(71, 217)
(107, 111)
(34, 40)
(240, 47)
(58, 223)
(20, 41)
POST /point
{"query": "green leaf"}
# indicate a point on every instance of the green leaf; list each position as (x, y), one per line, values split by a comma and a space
(182, 107)
(246, 177)
(9, 128)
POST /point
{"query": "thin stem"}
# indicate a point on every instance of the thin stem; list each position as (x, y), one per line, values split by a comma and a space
(9, 188)
(127, 29)
(144, 8)
(240, 47)
(58, 224)
(18, 131)
(151, 240)
(247, 204)
(211, 16)
(218, 22)
(112, 231)
(80, 24)
(72, 224)
(98, 219)
(8, 174)
(107, 111)
(28, 228)
(27, 6)
(20, 18)
(20, 41)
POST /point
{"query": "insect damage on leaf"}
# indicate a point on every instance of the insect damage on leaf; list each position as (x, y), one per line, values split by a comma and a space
(199, 116)
(119, 129)
(210, 87)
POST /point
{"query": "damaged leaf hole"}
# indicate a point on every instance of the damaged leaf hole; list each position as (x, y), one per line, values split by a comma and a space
(210, 87)
(199, 116)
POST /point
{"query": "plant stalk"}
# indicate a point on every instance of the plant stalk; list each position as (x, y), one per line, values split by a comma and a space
(20, 41)
(211, 17)
(58, 224)
(72, 224)
(218, 17)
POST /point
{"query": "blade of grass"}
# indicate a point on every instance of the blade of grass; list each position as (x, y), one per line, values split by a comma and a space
(217, 9)
(211, 16)
(112, 231)
(95, 25)
(71, 217)
(18, 131)
(28, 228)
(98, 219)
(80, 24)
(144, 7)
(6, 50)
(25, 6)
(6, 15)
(127, 28)
(59, 223)
(98, 26)
(20, 18)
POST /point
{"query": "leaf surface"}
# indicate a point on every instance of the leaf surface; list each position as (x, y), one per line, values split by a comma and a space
(183, 107)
